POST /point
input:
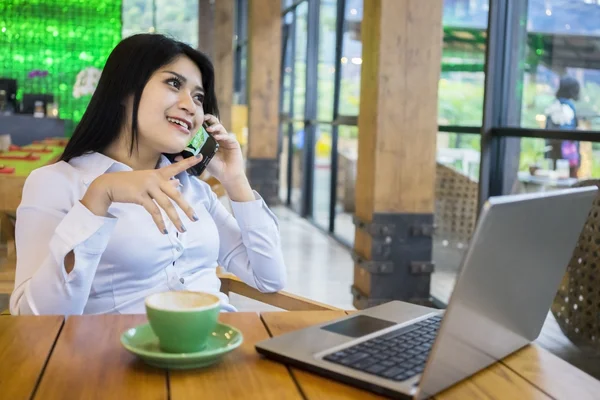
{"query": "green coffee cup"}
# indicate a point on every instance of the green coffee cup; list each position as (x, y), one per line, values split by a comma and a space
(182, 320)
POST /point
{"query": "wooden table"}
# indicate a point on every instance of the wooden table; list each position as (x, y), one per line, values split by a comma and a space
(82, 358)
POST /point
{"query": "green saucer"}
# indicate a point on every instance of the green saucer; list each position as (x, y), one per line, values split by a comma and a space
(142, 342)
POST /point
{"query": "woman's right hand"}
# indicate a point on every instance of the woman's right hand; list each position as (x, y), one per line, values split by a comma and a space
(148, 188)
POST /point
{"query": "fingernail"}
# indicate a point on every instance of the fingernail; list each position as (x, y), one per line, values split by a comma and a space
(195, 217)
(183, 228)
(165, 231)
(199, 155)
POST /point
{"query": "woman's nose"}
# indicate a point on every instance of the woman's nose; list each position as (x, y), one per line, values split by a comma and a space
(186, 102)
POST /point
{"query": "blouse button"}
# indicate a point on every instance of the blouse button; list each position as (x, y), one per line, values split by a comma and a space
(181, 280)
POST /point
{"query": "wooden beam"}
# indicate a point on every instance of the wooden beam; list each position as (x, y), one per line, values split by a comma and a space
(264, 63)
(223, 58)
(401, 45)
(206, 27)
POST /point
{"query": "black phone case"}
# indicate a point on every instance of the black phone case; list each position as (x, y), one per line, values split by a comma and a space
(199, 168)
(207, 155)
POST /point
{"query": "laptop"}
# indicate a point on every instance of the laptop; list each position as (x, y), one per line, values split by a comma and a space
(508, 279)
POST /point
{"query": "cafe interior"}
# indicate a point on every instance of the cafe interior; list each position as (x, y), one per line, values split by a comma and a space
(433, 168)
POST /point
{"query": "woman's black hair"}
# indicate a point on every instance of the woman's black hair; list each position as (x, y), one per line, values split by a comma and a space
(568, 88)
(127, 71)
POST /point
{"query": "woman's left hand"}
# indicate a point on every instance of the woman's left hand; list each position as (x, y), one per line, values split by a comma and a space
(228, 164)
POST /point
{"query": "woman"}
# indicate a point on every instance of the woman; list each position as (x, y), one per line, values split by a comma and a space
(561, 115)
(86, 234)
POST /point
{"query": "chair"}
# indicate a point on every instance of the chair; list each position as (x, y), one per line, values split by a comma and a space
(576, 305)
(284, 300)
(456, 197)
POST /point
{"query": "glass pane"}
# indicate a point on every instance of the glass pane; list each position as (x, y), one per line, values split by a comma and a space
(351, 58)
(286, 90)
(298, 141)
(286, 3)
(300, 60)
(461, 87)
(286, 129)
(562, 65)
(346, 181)
(326, 67)
(171, 21)
(322, 175)
(546, 165)
(456, 196)
(466, 13)
(460, 151)
(137, 17)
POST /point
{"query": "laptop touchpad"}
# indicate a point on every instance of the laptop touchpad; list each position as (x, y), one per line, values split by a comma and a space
(358, 326)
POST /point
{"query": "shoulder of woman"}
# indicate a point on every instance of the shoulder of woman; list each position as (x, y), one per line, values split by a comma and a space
(52, 183)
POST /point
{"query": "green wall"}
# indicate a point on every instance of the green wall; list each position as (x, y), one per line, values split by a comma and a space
(62, 37)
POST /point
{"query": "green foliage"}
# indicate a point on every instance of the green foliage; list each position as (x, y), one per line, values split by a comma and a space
(461, 99)
(461, 103)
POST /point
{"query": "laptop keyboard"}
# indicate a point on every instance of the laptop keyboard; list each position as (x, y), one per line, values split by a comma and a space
(398, 355)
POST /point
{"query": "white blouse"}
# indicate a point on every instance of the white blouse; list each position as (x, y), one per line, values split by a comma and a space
(122, 258)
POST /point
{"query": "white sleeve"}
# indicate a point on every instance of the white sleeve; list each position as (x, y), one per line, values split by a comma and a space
(250, 246)
(51, 222)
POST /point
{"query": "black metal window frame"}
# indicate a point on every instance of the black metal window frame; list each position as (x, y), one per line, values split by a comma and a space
(336, 121)
(287, 119)
(292, 7)
(500, 132)
(310, 119)
(336, 117)
(310, 107)
(241, 43)
(286, 122)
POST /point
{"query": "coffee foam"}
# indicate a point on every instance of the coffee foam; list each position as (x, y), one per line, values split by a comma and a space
(181, 300)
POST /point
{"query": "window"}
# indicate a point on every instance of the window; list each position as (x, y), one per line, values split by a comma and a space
(175, 18)
(562, 41)
(351, 58)
(461, 87)
(322, 167)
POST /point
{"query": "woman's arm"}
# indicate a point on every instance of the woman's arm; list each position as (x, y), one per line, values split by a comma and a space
(249, 243)
(250, 246)
(52, 223)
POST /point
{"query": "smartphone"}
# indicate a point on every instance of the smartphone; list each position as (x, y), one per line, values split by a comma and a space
(208, 148)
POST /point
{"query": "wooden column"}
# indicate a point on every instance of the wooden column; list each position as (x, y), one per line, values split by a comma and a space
(223, 58)
(264, 63)
(402, 46)
(206, 27)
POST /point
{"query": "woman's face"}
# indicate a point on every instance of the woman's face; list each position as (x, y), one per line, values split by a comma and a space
(170, 111)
